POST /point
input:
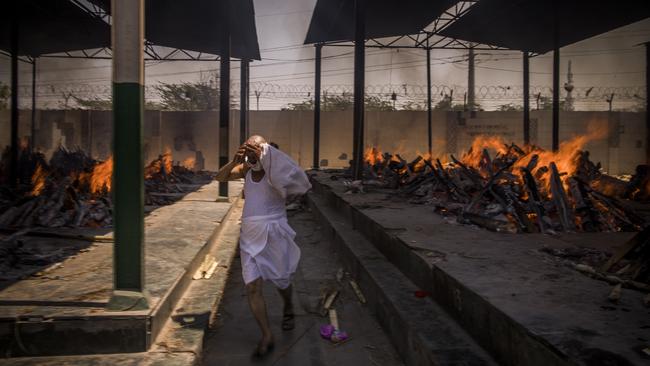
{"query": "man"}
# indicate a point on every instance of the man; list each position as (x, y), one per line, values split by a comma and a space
(267, 249)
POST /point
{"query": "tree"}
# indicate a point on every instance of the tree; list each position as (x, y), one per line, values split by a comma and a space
(201, 96)
(414, 106)
(546, 103)
(5, 93)
(94, 103)
(445, 104)
(342, 102)
(98, 104)
(510, 107)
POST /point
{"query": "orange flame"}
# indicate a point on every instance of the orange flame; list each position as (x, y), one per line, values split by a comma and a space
(189, 163)
(373, 156)
(100, 178)
(157, 166)
(564, 158)
(38, 180)
(167, 160)
(475, 154)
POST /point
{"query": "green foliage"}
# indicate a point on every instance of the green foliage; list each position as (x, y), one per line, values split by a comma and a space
(94, 103)
(510, 107)
(201, 96)
(414, 106)
(546, 103)
(445, 104)
(342, 102)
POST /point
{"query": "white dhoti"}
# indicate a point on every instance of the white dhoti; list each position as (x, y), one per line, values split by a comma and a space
(267, 249)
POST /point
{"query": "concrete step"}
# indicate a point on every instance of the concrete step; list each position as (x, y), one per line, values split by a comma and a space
(421, 331)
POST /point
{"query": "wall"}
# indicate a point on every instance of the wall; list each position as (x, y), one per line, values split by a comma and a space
(620, 146)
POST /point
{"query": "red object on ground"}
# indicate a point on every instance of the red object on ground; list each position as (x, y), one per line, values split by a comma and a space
(421, 293)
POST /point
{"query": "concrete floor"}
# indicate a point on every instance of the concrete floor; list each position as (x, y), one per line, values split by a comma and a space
(235, 333)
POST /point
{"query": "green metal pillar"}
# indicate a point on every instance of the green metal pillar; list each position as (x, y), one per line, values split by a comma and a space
(128, 174)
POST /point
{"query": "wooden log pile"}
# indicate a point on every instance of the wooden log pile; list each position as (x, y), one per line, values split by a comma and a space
(72, 189)
(517, 190)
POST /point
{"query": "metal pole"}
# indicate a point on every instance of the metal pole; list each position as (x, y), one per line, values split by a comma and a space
(471, 98)
(316, 164)
(32, 142)
(647, 102)
(243, 105)
(359, 84)
(556, 79)
(224, 105)
(13, 172)
(248, 98)
(429, 117)
(526, 98)
(128, 173)
(556, 99)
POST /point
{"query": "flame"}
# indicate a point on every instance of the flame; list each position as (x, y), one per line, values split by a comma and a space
(474, 155)
(38, 180)
(373, 156)
(420, 165)
(189, 163)
(565, 158)
(167, 160)
(157, 166)
(100, 178)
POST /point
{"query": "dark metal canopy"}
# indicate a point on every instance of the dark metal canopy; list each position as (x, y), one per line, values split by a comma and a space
(195, 25)
(333, 20)
(528, 25)
(49, 26)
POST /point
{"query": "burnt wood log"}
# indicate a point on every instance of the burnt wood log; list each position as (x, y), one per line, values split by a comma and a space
(583, 206)
(561, 201)
(488, 222)
(477, 197)
(470, 174)
(534, 200)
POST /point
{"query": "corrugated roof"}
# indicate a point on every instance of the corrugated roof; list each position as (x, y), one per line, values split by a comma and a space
(333, 20)
(528, 25)
(51, 26)
(194, 25)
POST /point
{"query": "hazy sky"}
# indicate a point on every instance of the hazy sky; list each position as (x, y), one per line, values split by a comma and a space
(612, 60)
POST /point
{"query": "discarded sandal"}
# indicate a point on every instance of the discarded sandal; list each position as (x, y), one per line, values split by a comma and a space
(288, 321)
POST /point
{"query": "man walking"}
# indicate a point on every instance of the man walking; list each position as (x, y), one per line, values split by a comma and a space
(267, 249)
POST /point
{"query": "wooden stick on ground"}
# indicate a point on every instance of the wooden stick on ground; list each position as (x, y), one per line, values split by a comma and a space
(357, 291)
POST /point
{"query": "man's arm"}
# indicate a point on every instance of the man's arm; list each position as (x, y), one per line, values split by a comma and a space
(234, 169)
(230, 171)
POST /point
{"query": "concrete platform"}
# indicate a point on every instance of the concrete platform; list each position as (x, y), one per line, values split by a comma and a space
(419, 328)
(61, 310)
(518, 303)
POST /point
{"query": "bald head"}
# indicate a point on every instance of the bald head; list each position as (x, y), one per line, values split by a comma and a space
(256, 140)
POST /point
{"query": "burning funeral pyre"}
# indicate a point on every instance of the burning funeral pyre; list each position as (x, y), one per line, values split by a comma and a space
(507, 188)
(72, 189)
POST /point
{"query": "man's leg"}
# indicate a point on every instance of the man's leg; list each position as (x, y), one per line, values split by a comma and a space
(288, 314)
(258, 308)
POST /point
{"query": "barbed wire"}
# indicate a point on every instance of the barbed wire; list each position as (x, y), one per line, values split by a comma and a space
(298, 92)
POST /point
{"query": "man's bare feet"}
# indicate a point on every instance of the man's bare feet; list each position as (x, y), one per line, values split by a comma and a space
(288, 319)
(264, 347)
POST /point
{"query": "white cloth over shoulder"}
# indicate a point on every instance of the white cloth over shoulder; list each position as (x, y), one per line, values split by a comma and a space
(283, 173)
(268, 249)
